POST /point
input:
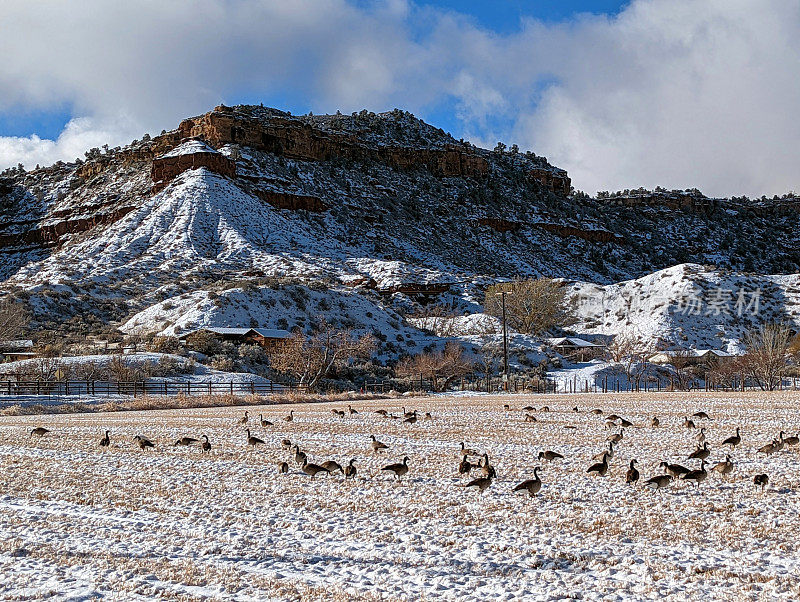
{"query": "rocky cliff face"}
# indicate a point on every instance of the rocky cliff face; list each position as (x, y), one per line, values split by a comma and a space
(294, 139)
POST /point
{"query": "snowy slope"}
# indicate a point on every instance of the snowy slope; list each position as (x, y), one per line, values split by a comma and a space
(688, 305)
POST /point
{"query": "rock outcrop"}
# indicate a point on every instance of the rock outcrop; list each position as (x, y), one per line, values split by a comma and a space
(294, 139)
(51, 234)
(288, 200)
(554, 179)
(190, 154)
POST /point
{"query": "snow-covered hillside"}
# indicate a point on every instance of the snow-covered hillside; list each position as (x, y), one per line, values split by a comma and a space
(687, 305)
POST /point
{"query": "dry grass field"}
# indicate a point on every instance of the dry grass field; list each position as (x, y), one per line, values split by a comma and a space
(78, 521)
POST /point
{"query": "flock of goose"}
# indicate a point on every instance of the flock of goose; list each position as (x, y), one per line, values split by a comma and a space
(474, 460)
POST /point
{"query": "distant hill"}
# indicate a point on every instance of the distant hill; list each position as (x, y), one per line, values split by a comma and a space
(381, 209)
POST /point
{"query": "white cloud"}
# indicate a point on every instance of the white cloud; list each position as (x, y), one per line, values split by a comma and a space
(78, 135)
(672, 92)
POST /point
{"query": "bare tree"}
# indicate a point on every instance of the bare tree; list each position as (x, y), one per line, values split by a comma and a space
(765, 359)
(440, 367)
(532, 307)
(681, 361)
(309, 359)
(13, 320)
(631, 353)
(621, 347)
(490, 358)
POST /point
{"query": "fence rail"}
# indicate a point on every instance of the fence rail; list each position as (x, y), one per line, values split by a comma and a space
(140, 388)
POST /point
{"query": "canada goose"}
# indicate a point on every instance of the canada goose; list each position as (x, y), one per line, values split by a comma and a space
(530, 418)
(625, 423)
(351, 410)
(733, 440)
(616, 437)
(465, 466)
(611, 424)
(299, 456)
(550, 455)
(312, 469)
(698, 476)
(687, 423)
(332, 466)
(575, 409)
(701, 453)
(339, 413)
(205, 446)
(428, 416)
(253, 441)
(658, 482)
(701, 415)
(793, 440)
(769, 448)
(264, 423)
(606, 452)
(655, 422)
(532, 486)
(779, 442)
(399, 469)
(481, 483)
(701, 436)
(632, 475)
(487, 469)
(143, 442)
(506, 407)
(185, 441)
(382, 412)
(289, 417)
(350, 470)
(545, 409)
(724, 468)
(468, 451)
(674, 470)
(411, 419)
(283, 467)
(408, 414)
(243, 419)
(612, 417)
(529, 409)
(286, 444)
(597, 411)
(377, 446)
(39, 431)
(761, 480)
(601, 468)
(105, 441)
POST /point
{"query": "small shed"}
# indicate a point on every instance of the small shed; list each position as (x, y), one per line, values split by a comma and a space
(268, 338)
(11, 351)
(692, 356)
(574, 348)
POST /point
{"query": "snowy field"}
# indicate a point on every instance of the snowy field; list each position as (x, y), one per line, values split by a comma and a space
(80, 522)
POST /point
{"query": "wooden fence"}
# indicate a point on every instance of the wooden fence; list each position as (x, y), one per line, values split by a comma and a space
(140, 388)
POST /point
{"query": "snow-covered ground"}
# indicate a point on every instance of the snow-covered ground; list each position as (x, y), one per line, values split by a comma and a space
(78, 521)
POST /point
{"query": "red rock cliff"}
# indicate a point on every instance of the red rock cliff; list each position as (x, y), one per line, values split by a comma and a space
(297, 140)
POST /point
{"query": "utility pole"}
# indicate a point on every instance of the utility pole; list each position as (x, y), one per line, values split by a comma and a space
(505, 341)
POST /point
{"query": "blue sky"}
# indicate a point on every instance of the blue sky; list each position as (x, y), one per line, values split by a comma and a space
(676, 93)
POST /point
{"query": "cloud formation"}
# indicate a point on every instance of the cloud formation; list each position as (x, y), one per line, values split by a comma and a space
(676, 93)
